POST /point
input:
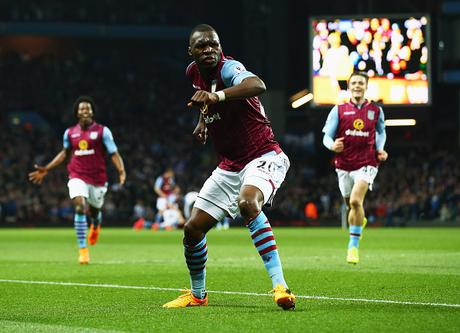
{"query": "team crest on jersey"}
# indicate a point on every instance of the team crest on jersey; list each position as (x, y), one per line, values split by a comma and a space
(93, 135)
(83, 144)
(358, 124)
(370, 115)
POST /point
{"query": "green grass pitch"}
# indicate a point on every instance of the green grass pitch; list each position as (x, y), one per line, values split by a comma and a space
(408, 280)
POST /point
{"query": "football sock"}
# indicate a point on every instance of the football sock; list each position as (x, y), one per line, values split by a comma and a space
(80, 229)
(98, 220)
(264, 241)
(195, 257)
(355, 234)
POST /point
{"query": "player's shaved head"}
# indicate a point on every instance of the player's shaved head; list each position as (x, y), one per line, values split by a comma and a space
(201, 28)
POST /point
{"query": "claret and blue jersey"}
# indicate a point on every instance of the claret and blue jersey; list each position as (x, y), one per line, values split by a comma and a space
(363, 130)
(88, 152)
(239, 129)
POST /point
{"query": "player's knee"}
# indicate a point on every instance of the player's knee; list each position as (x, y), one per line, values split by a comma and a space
(191, 232)
(355, 204)
(249, 208)
(188, 228)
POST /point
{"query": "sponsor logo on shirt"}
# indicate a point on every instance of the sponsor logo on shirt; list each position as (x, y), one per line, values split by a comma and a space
(211, 119)
(83, 145)
(356, 133)
(358, 124)
(84, 152)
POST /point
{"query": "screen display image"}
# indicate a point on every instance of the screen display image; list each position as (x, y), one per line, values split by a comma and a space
(392, 50)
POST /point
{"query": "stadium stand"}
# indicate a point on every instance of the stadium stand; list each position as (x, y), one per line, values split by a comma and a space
(141, 92)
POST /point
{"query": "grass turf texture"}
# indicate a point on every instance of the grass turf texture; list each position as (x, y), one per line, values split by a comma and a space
(413, 265)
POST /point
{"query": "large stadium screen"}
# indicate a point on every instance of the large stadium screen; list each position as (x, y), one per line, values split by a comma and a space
(392, 50)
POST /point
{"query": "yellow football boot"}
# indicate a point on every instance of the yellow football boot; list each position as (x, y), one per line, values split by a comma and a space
(353, 255)
(283, 297)
(186, 300)
(83, 257)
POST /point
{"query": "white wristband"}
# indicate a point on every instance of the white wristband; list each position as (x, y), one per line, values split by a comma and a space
(221, 95)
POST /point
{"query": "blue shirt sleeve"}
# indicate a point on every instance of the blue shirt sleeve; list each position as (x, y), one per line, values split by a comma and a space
(158, 182)
(66, 141)
(233, 73)
(109, 143)
(330, 128)
(380, 133)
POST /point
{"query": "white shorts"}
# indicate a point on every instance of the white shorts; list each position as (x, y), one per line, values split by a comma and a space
(347, 179)
(218, 196)
(93, 194)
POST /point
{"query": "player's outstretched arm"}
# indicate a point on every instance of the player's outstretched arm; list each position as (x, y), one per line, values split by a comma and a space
(119, 165)
(201, 132)
(249, 87)
(381, 138)
(37, 176)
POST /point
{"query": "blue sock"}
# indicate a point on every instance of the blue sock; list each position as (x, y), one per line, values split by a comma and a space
(80, 228)
(196, 257)
(355, 234)
(264, 241)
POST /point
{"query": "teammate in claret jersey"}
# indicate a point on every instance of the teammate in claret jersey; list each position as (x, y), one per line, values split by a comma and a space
(87, 143)
(251, 169)
(167, 192)
(355, 131)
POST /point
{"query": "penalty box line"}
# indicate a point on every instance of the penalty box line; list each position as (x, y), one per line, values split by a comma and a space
(117, 286)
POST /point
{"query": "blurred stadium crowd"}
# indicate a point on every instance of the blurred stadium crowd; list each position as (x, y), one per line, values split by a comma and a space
(100, 12)
(145, 108)
(141, 92)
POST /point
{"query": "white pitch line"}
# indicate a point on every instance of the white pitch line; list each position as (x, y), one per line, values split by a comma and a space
(117, 286)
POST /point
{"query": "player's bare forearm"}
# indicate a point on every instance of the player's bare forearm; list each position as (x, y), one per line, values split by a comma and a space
(200, 131)
(201, 120)
(40, 172)
(250, 87)
(57, 160)
(119, 165)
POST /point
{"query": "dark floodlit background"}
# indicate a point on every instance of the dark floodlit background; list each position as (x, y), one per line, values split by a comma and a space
(131, 57)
